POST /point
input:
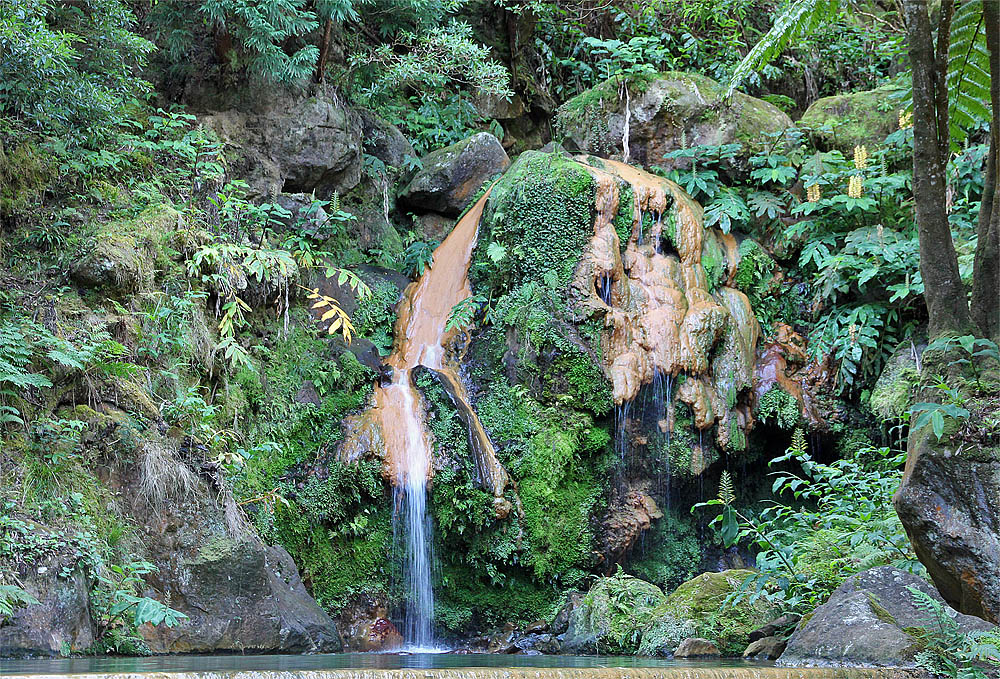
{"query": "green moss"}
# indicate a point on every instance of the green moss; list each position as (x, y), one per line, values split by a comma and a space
(779, 406)
(846, 120)
(376, 314)
(896, 386)
(879, 610)
(702, 601)
(24, 174)
(541, 211)
(625, 217)
(560, 492)
(713, 259)
(672, 552)
(340, 562)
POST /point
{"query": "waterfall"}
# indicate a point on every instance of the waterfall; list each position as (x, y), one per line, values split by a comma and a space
(412, 518)
(421, 339)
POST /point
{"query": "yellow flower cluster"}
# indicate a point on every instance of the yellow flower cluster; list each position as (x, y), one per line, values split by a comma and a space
(855, 187)
(861, 157)
(905, 119)
(812, 193)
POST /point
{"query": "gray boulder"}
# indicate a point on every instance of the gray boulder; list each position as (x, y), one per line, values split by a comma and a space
(294, 144)
(696, 647)
(450, 177)
(949, 504)
(866, 622)
(238, 593)
(765, 648)
(384, 141)
(675, 110)
(60, 622)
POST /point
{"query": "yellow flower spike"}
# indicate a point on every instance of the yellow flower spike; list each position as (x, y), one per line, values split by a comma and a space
(905, 119)
(855, 187)
(861, 157)
(812, 193)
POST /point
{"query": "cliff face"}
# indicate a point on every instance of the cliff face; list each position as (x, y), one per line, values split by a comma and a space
(233, 439)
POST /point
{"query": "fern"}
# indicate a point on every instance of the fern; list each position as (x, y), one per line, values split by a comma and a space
(803, 17)
(968, 70)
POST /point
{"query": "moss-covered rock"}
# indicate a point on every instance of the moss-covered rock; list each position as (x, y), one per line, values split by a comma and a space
(667, 112)
(698, 608)
(896, 386)
(611, 616)
(847, 120)
(124, 255)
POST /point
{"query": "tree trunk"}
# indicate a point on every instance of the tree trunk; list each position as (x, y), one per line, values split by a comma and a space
(986, 270)
(324, 51)
(947, 306)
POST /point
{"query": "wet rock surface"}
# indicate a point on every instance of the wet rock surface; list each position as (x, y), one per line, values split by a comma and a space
(765, 648)
(450, 178)
(949, 504)
(60, 622)
(866, 621)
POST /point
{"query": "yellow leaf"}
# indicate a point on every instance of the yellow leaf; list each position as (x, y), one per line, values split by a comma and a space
(319, 304)
(336, 324)
(329, 314)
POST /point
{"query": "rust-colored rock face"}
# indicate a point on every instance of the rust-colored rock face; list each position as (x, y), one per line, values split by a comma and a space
(393, 428)
(663, 314)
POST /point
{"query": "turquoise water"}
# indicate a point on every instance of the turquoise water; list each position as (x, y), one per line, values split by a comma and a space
(335, 661)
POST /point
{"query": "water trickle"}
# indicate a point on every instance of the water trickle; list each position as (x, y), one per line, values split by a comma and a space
(396, 420)
(621, 425)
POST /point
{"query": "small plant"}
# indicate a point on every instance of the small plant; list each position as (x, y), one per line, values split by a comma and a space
(948, 651)
(118, 605)
(13, 597)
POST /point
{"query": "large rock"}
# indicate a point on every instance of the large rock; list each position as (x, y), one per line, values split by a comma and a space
(949, 504)
(865, 623)
(671, 111)
(604, 620)
(238, 593)
(698, 609)
(384, 141)
(696, 647)
(450, 177)
(293, 144)
(123, 257)
(60, 623)
(846, 120)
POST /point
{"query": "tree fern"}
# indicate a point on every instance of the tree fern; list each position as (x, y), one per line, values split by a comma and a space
(968, 70)
(803, 17)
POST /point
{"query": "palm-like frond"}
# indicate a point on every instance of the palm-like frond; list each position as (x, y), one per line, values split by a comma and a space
(800, 19)
(968, 70)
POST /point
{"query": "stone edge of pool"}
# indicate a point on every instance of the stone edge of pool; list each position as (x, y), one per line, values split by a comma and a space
(519, 673)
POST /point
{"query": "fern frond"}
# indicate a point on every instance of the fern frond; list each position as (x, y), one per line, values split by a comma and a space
(968, 77)
(803, 17)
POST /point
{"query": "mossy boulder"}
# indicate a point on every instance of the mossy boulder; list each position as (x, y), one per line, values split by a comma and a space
(612, 615)
(896, 386)
(698, 608)
(844, 121)
(870, 620)
(124, 254)
(664, 113)
(449, 178)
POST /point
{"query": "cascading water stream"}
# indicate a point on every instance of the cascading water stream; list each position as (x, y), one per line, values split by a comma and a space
(421, 339)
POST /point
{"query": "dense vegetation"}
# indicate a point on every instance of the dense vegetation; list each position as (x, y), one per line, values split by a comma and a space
(166, 326)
